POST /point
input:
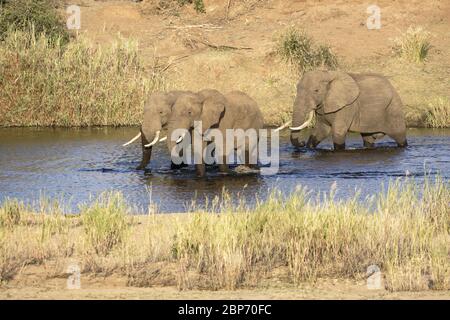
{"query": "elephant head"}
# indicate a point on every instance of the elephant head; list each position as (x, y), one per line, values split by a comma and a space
(157, 111)
(323, 92)
(206, 106)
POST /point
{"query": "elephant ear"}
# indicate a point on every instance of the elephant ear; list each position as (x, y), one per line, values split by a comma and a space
(212, 110)
(342, 91)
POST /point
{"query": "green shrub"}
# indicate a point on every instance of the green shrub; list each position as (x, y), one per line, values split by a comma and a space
(297, 48)
(199, 6)
(105, 222)
(413, 45)
(42, 14)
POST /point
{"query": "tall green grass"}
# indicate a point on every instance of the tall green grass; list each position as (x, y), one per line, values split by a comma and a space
(46, 83)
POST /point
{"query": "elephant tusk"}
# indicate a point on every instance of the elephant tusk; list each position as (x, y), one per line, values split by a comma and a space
(163, 139)
(304, 125)
(132, 140)
(180, 138)
(283, 126)
(155, 140)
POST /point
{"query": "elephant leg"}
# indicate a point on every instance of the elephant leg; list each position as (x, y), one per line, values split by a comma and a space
(397, 123)
(339, 139)
(200, 167)
(340, 126)
(200, 170)
(221, 154)
(174, 166)
(296, 140)
(368, 140)
(223, 168)
(321, 131)
(247, 160)
(400, 138)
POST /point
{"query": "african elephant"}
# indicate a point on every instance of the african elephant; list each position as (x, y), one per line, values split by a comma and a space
(342, 102)
(234, 110)
(157, 111)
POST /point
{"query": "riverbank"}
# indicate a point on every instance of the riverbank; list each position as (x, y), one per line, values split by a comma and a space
(125, 50)
(281, 244)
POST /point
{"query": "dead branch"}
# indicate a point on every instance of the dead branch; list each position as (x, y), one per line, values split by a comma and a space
(204, 26)
(223, 47)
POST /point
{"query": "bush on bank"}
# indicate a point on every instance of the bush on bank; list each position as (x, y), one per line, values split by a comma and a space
(44, 82)
(42, 14)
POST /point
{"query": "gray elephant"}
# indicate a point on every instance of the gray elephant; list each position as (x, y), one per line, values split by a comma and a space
(157, 111)
(234, 110)
(343, 102)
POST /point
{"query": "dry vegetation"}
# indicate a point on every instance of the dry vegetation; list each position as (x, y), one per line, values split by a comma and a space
(413, 45)
(404, 230)
(46, 82)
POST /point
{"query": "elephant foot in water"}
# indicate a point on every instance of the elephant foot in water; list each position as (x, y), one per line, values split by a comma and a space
(224, 169)
(174, 166)
(369, 145)
(312, 142)
(339, 146)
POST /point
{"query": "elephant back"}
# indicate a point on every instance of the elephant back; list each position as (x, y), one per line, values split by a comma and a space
(244, 110)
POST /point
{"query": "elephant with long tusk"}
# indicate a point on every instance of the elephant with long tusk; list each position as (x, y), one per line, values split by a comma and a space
(234, 110)
(157, 111)
(343, 102)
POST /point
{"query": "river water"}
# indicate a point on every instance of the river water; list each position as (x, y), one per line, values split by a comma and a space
(75, 165)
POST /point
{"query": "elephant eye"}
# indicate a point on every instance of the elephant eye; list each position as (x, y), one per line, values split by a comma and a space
(317, 90)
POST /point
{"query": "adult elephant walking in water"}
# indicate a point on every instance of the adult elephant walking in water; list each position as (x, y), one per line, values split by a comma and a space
(343, 102)
(157, 111)
(234, 110)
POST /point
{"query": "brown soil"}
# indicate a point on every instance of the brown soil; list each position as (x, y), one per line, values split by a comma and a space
(194, 48)
(34, 282)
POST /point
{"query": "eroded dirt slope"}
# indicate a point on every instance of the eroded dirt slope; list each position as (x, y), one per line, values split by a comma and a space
(232, 45)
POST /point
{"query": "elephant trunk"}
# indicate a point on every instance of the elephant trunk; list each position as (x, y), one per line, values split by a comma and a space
(150, 130)
(301, 116)
(176, 131)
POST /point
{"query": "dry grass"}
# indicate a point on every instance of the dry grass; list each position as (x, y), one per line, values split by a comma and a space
(429, 112)
(437, 115)
(404, 230)
(43, 83)
(105, 222)
(413, 45)
(298, 49)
